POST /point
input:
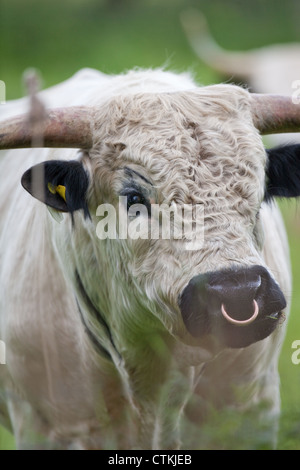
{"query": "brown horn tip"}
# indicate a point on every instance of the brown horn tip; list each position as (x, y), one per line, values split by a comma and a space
(275, 114)
(63, 127)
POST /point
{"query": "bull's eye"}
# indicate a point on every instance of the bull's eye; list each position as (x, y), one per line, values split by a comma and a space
(135, 198)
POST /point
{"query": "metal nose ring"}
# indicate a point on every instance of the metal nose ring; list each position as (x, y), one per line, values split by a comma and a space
(241, 322)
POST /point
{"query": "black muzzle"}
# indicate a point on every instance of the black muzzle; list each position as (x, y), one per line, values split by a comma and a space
(239, 306)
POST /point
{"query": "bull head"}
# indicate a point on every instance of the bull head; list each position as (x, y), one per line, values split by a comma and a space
(74, 128)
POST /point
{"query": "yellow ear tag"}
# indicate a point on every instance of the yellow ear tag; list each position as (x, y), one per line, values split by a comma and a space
(61, 190)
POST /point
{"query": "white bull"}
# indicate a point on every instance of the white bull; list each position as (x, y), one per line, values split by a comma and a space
(134, 343)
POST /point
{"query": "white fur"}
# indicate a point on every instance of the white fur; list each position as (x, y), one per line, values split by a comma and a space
(196, 145)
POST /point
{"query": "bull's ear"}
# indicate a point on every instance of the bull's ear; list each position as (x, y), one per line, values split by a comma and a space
(283, 172)
(61, 185)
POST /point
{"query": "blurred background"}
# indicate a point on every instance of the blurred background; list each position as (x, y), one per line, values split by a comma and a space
(58, 37)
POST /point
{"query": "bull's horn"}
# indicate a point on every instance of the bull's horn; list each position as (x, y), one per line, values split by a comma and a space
(63, 127)
(275, 114)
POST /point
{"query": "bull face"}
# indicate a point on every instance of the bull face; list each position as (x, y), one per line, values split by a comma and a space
(186, 148)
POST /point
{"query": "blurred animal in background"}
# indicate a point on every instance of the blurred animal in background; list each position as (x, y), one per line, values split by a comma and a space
(271, 69)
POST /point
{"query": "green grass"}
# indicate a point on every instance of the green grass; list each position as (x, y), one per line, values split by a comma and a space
(58, 37)
(6, 440)
(289, 372)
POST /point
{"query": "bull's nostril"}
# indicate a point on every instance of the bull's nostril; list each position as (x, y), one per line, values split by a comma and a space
(241, 322)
